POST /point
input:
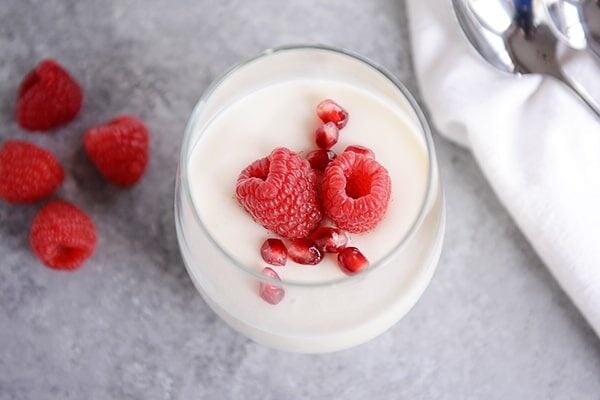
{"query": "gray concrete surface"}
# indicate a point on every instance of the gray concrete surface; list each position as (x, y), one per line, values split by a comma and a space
(129, 325)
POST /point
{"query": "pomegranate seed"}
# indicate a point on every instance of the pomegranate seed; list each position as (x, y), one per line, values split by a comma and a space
(327, 135)
(273, 251)
(329, 239)
(304, 251)
(351, 260)
(329, 111)
(319, 159)
(269, 292)
(361, 150)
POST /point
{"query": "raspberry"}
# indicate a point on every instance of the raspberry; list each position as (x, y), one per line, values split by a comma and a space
(62, 236)
(27, 172)
(273, 251)
(48, 97)
(269, 292)
(119, 149)
(356, 192)
(319, 159)
(304, 251)
(329, 111)
(329, 240)
(326, 136)
(280, 193)
(351, 260)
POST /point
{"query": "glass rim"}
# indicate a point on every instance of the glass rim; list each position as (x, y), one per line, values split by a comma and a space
(397, 248)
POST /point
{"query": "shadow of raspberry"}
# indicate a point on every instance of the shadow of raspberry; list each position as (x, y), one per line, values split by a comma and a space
(90, 184)
(138, 219)
(15, 222)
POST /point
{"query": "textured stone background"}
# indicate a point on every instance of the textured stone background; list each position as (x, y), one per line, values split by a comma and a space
(129, 325)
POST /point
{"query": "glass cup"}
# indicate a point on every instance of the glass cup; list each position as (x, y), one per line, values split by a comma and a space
(325, 315)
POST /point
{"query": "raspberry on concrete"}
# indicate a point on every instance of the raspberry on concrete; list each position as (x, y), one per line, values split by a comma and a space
(119, 149)
(27, 172)
(62, 236)
(48, 97)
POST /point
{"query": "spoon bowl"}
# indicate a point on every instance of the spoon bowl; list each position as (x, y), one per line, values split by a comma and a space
(576, 22)
(513, 36)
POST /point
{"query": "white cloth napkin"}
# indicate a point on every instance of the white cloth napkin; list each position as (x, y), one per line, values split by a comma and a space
(535, 142)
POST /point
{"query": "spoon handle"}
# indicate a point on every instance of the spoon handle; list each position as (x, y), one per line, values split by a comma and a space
(580, 91)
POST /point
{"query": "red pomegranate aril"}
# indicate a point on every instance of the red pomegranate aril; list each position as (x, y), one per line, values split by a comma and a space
(329, 111)
(270, 292)
(274, 252)
(361, 150)
(329, 239)
(319, 159)
(326, 136)
(351, 260)
(304, 251)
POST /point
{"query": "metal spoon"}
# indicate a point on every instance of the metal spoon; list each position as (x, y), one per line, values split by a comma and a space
(514, 38)
(577, 22)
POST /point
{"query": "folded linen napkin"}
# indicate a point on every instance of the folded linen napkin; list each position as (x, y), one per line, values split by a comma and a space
(538, 145)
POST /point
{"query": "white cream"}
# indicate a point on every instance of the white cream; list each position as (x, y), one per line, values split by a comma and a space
(284, 115)
(321, 318)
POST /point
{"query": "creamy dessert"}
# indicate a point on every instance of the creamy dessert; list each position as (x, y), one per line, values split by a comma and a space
(321, 307)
